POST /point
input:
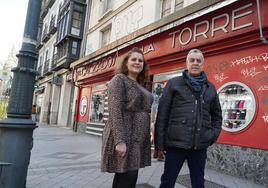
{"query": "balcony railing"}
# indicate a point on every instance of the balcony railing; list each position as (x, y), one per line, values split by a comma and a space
(39, 45)
(46, 35)
(52, 25)
(47, 70)
(64, 4)
(45, 7)
(39, 69)
(54, 61)
(50, 3)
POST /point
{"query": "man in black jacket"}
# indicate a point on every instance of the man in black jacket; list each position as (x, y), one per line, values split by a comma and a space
(189, 120)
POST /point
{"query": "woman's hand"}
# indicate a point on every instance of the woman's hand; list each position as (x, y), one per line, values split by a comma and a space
(121, 149)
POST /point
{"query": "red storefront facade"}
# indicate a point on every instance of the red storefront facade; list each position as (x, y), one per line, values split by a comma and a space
(236, 61)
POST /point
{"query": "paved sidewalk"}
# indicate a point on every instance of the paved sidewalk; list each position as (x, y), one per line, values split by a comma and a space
(62, 158)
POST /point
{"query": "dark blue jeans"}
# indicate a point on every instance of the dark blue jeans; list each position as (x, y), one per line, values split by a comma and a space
(196, 160)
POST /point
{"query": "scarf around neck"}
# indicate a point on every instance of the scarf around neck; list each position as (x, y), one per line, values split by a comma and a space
(196, 83)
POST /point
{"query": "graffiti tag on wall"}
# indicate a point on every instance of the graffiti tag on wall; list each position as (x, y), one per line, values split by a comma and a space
(250, 72)
(265, 118)
(250, 59)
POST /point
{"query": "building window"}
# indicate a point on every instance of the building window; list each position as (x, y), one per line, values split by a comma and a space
(106, 34)
(54, 54)
(62, 50)
(70, 29)
(74, 48)
(166, 8)
(178, 5)
(97, 106)
(76, 23)
(46, 56)
(40, 61)
(170, 6)
(63, 24)
(106, 5)
(39, 68)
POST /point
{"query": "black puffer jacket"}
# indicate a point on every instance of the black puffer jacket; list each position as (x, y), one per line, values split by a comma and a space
(184, 121)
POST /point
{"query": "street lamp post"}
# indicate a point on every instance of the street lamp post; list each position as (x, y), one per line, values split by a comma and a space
(16, 130)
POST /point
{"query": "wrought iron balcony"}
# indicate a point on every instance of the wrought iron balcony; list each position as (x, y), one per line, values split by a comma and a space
(54, 61)
(52, 25)
(47, 70)
(39, 69)
(46, 35)
(63, 5)
(39, 45)
(45, 7)
(50, 3)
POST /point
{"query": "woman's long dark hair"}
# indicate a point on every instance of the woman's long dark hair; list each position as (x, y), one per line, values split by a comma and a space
(122, 67)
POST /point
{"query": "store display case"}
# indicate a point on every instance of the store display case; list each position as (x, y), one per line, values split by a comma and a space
(238, 106)
(97, 105)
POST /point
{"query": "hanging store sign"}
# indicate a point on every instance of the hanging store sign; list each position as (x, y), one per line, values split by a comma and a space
(103, 65)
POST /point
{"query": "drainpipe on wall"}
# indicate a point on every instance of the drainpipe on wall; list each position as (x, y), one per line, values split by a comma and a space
(262, 38)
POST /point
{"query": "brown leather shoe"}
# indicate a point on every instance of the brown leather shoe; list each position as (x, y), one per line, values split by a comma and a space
(160, 156)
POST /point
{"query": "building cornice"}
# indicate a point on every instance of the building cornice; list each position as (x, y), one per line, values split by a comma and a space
(195, 7)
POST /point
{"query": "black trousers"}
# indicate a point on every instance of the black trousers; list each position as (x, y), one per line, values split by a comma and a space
(126, 179)
(196, 160)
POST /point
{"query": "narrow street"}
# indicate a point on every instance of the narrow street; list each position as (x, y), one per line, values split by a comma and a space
(62, 158)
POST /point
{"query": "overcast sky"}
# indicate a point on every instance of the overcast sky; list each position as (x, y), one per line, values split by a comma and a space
(12, 20)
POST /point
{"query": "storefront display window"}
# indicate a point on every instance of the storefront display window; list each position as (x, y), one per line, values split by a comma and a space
(97, 104)
(159, 82)
(238, 106)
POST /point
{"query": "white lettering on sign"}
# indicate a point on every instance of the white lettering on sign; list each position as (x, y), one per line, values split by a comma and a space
(147, 49)
(173, 34)
(190, 36)
(201, 29)
(96, 67)
(223, 27)
(201, 33)
(234, 17)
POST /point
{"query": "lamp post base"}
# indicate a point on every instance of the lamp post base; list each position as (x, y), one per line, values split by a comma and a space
(16, 142)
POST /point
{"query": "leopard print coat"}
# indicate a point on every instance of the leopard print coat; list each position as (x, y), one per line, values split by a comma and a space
(129, 122)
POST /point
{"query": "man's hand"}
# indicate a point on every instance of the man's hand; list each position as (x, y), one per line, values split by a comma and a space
(121, 149)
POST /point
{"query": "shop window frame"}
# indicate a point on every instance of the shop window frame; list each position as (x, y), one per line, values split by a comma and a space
(103, 88)
(172, 7)
(254, 106)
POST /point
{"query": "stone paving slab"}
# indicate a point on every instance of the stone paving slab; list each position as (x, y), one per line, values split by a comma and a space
(62, 158)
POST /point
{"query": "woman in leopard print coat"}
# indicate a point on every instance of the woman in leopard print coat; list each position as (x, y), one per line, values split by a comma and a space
(126, 143)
